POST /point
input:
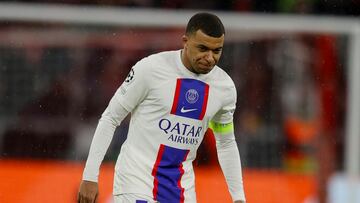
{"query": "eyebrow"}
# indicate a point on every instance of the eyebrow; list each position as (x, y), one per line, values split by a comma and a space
(205, 47)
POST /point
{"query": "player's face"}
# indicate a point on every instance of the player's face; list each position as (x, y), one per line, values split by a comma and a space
(201, 52)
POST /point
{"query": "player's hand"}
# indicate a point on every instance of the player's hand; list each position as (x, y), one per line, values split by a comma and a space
(88, 192)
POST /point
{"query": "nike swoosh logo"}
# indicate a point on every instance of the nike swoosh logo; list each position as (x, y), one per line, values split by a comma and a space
(183, 110)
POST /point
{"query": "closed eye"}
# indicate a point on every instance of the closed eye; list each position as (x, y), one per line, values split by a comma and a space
(203, 48)
(217, 51)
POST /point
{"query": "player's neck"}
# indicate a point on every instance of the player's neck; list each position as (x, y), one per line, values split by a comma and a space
(186, 62)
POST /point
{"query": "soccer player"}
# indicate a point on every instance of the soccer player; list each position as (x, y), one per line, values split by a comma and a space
(173, 97)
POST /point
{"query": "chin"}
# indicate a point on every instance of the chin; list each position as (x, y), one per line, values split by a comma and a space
(202, 71)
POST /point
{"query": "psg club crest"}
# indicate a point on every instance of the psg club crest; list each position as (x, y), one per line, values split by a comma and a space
(190, 98)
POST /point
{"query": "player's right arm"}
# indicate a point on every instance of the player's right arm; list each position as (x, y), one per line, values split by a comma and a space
(88, 192)
(131, 93)
(110, 119)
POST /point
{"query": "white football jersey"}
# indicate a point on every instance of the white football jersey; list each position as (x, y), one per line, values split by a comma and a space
(171, 108)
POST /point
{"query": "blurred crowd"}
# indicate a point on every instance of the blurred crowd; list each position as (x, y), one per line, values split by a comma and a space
(53, 92)
(291, 87)
(329, 7)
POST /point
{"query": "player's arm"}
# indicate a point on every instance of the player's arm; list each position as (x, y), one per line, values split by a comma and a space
(127, 97)
(110, 119)
(229, 159)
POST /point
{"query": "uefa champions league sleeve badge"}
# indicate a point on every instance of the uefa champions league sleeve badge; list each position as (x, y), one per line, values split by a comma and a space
(130, 76)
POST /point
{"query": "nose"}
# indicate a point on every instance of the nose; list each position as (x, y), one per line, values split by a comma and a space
(209, 57)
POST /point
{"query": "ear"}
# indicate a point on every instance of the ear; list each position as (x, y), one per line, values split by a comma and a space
(184, 39)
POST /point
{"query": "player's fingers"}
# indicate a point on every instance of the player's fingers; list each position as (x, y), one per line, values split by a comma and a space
(81, 198)
(78, 198)
(96, 198)
(86, 199)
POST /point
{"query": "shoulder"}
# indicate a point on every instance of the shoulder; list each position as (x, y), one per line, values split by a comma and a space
(155, 65)
(222, 78)
(160, 58)
(152, 60)
(160, 64)
(224, 85)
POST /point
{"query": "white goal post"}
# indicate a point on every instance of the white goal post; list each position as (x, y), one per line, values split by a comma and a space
(234, 22)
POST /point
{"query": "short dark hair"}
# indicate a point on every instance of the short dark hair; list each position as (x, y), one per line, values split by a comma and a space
(208, 23)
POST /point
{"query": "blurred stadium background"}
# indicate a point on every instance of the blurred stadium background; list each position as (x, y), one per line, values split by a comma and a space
(295, 63)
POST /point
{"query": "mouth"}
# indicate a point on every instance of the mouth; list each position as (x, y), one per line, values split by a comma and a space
(204, 68)
(205, 65)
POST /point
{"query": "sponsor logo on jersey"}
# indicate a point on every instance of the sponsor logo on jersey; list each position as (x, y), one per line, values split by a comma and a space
(181, 132)
(190, 98)
(183, 110)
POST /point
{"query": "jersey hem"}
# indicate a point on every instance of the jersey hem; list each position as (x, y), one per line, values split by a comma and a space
(132, 190)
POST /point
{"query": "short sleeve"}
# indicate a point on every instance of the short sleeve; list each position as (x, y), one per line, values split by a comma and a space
(226, 113)
(135, 87)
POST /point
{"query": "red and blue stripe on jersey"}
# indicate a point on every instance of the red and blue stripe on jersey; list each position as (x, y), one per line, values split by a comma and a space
(190, 98)
(167, 172)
